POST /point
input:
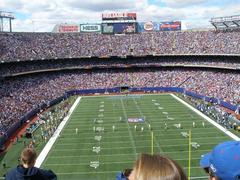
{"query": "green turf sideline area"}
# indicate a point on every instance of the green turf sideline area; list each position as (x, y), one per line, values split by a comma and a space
(56, 134)
(88, 154)
(11, 157)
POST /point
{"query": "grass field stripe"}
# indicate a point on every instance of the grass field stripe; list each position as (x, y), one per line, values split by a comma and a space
(198, 133)
(146, 140)
(114, 155)
(175, 145)
(110, 162)
(129, 131)
(136, 146)
(233, 136)
(166, 153)
(52, 140)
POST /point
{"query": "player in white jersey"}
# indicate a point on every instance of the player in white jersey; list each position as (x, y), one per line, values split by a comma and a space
(113, 128)
(76, 130)
(193, 124)
(166, 126)
(135, 127)
(203, 124)
(142, 128)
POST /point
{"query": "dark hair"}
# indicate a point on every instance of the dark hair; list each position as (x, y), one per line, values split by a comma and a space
(127, 172)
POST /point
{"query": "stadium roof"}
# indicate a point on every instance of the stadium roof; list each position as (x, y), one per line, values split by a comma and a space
(228, 22)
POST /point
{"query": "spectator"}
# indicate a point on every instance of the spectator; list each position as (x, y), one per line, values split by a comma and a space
(156, 167)
(223, 163)
(123, 175)
(27, 171)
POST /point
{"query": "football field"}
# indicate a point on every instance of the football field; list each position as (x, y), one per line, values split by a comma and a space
(105, 135)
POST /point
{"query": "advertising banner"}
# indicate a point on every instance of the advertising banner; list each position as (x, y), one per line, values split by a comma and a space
(120, 28)
(107, 28)
(148, 26)
(86, 28)
(170, 26)
(68, 28)
(119, 16)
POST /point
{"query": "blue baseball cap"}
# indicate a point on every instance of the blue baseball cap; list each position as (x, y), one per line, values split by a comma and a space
(224, 160)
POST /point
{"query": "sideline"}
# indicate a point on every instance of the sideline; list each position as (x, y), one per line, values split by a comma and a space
(233, 136)
(53, 139)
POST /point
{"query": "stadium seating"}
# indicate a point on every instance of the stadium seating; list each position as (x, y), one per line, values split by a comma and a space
(30, 46)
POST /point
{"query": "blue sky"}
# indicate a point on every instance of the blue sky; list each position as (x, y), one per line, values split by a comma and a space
(42, 15)
(22, 16)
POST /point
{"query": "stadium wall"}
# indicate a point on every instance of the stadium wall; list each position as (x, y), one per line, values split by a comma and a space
(32, 113)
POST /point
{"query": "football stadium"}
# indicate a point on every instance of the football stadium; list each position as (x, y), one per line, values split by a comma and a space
(91, 98)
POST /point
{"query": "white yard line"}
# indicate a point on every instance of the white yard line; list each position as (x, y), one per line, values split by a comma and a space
(141, 141)
(233, 136)
(122, 134)
(116, 155)
(115, 162)
(164, 153)
(127, 147)
(52, 140)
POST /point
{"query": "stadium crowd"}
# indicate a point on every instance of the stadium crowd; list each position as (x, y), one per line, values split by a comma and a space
(7, 69)
(29, 46)
(21, 94)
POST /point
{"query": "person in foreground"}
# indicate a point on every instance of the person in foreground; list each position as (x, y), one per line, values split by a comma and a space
(27, 171)
(156, 167)
(223, 163)
(123, 175)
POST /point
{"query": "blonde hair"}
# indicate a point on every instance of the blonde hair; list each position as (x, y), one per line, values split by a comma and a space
(28, 156)
(157, 167)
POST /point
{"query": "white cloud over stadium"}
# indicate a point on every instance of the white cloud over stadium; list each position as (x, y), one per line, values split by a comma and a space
(42, 15)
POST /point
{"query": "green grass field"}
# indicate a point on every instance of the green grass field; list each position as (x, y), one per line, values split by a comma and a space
(72, 154)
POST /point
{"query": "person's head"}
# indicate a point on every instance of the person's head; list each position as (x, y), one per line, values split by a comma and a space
(223, 163)
(127, 172)
(28, 157)
(156, 167)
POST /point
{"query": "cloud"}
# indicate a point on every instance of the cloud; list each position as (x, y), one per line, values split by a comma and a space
(183, 3)
(43, 15)
(101, 5)
(10, 5)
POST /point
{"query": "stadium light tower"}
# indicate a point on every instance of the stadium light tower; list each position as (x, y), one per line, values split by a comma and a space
(6, 21)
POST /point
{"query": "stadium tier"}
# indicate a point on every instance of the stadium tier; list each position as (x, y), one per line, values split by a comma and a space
(30, 67)
(39, 46)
